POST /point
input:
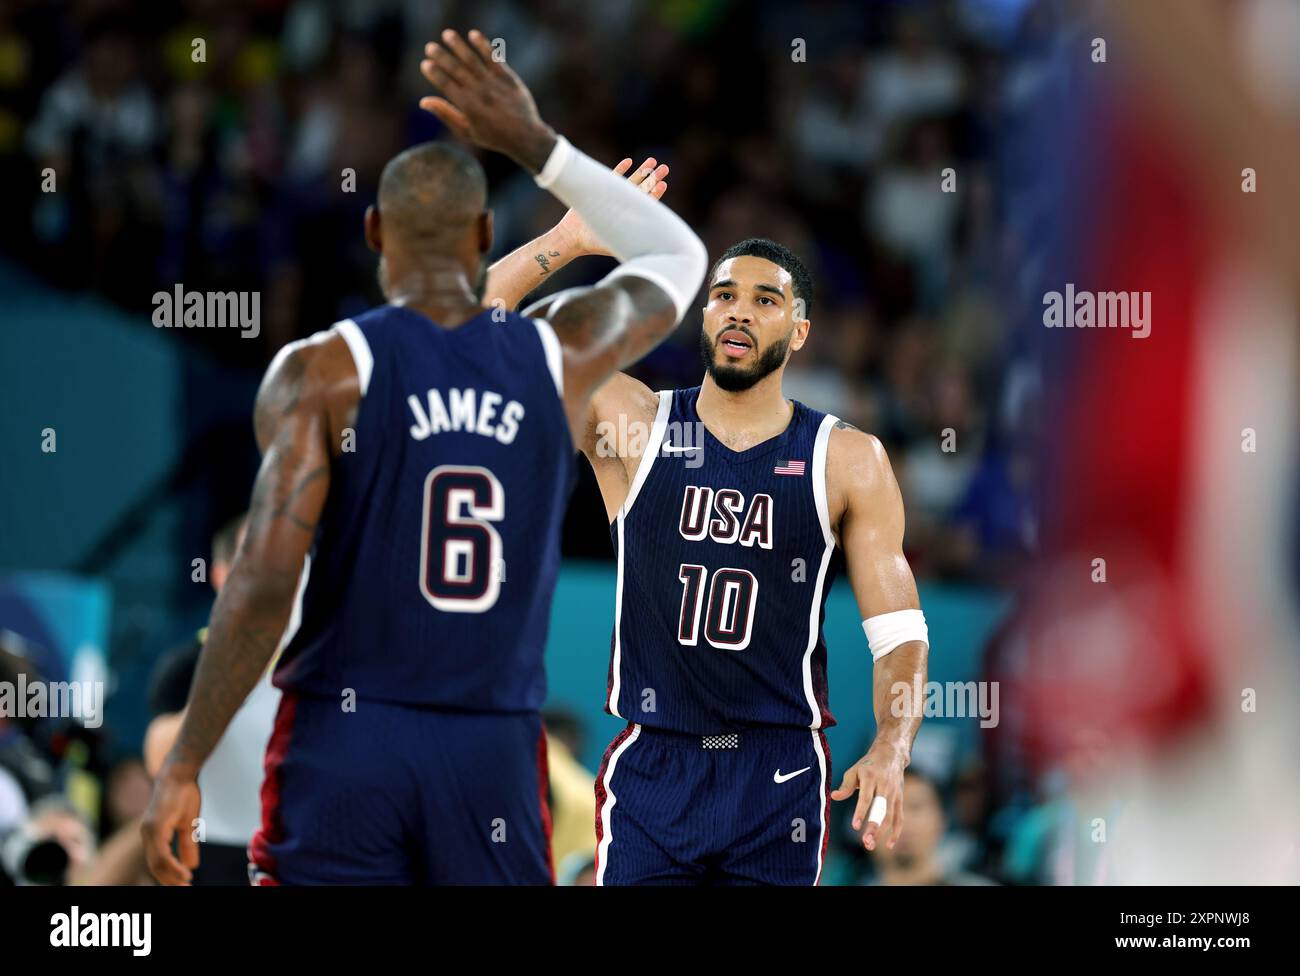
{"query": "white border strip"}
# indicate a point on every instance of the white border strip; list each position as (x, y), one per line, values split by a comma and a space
(822, 801)
(651, 450)
(642, 472)
(554, 355)
(814, 612)
(360, 349)
(602, 854)
(820, 452)
(616, 686)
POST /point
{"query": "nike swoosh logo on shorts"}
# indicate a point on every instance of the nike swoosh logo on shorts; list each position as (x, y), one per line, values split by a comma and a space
(780, 777)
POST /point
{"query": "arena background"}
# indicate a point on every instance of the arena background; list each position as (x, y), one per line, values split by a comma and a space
(826, 125)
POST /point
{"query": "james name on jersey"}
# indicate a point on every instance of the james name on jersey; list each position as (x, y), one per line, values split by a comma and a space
(466, 410)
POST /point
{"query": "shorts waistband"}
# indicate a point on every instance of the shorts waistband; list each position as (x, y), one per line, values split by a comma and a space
(723, 740)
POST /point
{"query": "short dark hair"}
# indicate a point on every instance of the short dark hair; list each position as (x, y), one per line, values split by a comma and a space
(760, 247)
(431, 190)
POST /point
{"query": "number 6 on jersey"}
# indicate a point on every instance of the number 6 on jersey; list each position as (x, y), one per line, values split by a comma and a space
(460, 503)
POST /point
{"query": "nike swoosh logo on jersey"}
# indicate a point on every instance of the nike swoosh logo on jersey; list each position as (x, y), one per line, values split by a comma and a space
(681, 449)
(780, 777)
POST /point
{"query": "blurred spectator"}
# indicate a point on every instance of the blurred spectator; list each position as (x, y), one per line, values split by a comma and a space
(13, 802)
(571, 790)
(93, 133)
(915, 859)
(912, 77)
(231, 779)
(22, 763)
(51, 846)
(126, 795)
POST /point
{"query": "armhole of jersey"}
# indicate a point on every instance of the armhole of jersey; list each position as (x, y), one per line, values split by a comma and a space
(651, 450)
(295, 615)
(554, 355)
(360, 349)
(819, 475)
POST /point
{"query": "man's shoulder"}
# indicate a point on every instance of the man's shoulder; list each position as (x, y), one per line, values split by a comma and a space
(851, 445)
(625, 395)
(857, 466)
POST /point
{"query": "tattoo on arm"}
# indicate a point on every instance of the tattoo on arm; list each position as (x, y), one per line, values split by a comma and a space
(274, 497)
(254, 606)
(844, 425)
(544, 260)
(236, 654)
(278, 398)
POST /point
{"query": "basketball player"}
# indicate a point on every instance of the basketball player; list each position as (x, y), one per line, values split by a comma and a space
(725, 503)
(418, 452)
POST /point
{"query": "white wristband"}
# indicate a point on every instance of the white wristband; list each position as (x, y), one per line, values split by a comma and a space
(885, 631)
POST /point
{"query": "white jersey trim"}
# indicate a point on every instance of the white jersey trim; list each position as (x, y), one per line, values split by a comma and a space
(823, 516)
(642, 472)
(295, 613)
(651, 450)
(616, 685)
(820, 450)
(360, 349)
(602, 853)
(821, 796)
(554, 354)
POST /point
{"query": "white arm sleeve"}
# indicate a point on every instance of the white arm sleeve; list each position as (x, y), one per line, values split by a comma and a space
(650, 240)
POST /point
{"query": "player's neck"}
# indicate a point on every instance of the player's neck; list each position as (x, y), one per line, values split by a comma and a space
(436, 287)
(761, 410)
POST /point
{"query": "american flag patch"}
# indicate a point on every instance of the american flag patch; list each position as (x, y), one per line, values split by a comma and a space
(789, 467)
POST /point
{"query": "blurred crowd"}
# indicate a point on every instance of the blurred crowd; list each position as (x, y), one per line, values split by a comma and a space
(235, 144)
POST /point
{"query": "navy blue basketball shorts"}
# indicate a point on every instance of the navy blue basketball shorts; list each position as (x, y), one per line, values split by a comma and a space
(744, 808)
(401, 795)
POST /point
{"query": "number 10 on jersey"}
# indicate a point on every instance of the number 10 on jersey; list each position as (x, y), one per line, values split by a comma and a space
(728, 613)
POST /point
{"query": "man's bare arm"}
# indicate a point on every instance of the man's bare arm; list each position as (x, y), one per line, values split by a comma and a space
(514, 277)
(292, 421)
(309, 394)
(601, 331)
(871, 535)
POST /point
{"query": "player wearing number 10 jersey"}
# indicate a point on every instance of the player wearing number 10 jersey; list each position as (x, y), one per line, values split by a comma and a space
(422, 455)
(726, 503)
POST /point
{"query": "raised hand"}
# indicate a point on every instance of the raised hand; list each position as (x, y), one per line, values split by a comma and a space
(485, 102)
(573, 231)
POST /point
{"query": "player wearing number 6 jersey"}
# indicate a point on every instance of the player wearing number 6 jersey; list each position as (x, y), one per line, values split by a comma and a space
(422, 455)
(726, 503)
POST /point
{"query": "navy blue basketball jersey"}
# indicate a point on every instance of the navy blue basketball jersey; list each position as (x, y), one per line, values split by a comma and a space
(433, 567)
(724, 562)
